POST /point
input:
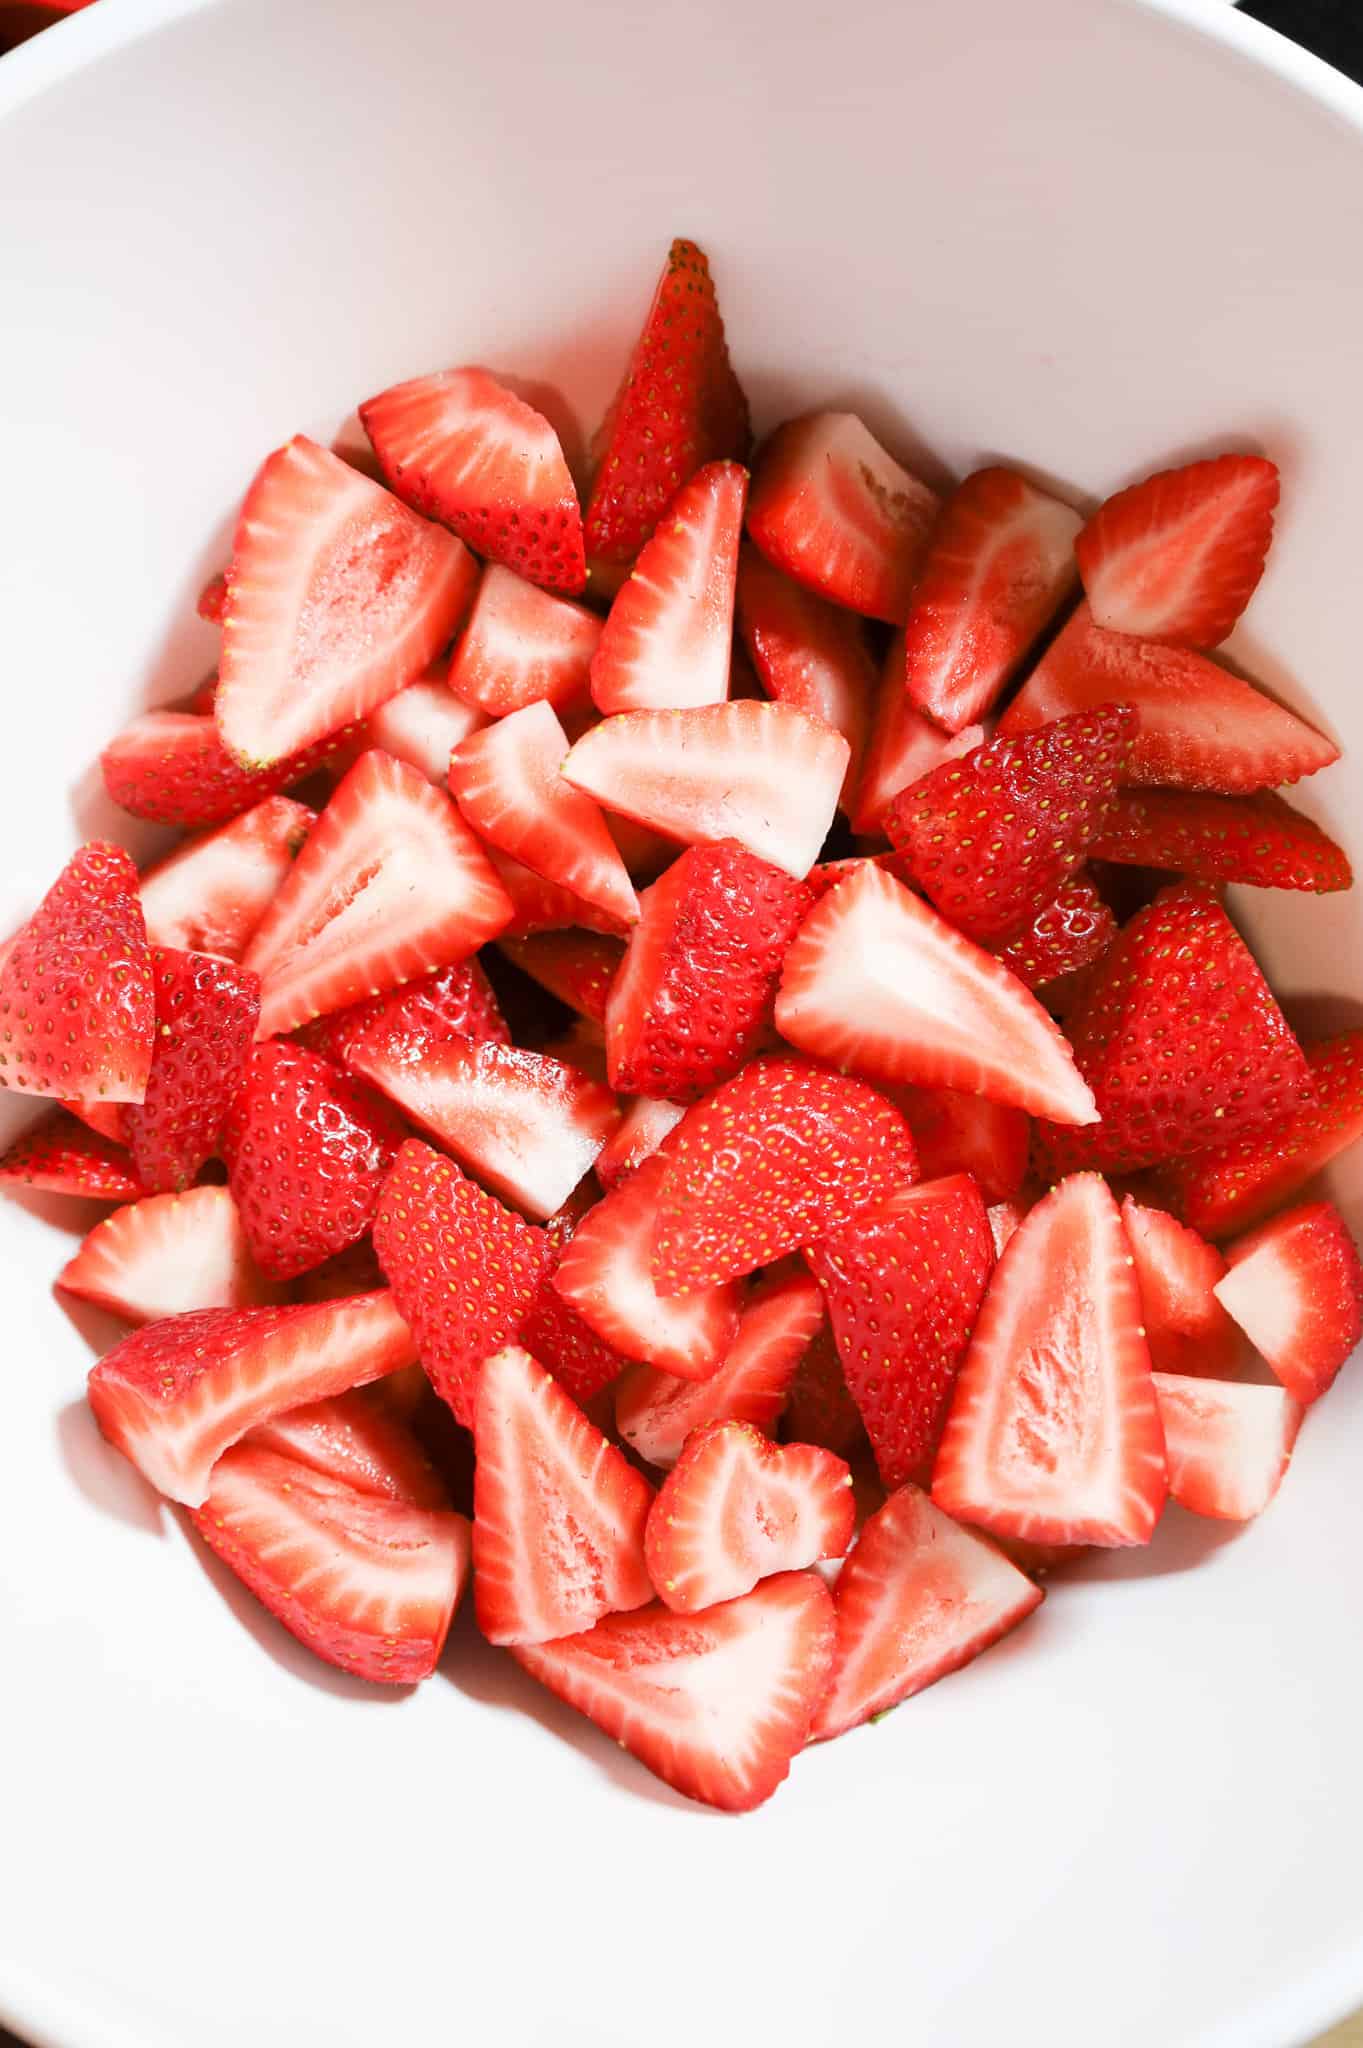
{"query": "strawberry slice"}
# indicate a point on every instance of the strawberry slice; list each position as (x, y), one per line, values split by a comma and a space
(1180, 1039)
(1295, 1287)
(509, 784)
(552, 1330)
(390, 884)
(211, 893)
(422, 725)
(173, 767)
(211, 602)
(578, 967)
(655, 1412)
(667, 641)
(763, 774)
(695, 994)
(737, 1508)
(716, 1704)
(368, 1584)
(903, 746)
(175, 1394)
(206, 1016)
(461, 448)
(1200, 727)
(877, 981)
(605, 1274)
(539, 905)
(1004, 1221)
(167, 1255)
(1256, 839)
(904, 1285)
(955, 1133)
(993, 836)
(452, 1005)
(1066, 935)
(679, 407)
(1228, 1446)
(110, 1119)
(522, 645)
(808, 653)
(61, 1155)
(358, 1439)
(636, 1137)
(1186, 1328)
(837, 513)
(337, 596)
(1053, 1433)
(1177, 557)
(918, 1598)
(558, 1513)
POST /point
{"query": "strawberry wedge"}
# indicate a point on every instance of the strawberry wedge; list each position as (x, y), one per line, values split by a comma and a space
(903, 746)
(1186, 1327)
(206, 1016)
(1228, 1445)
(1295, 1287)
(1258, 840)
(414, 1021)
(577, 967)
(172, 766)
(637, 1136)
(361, 1439)
(422, 725)
(212, 892)
(62, 1155)
(807, 653)
(522, 645)
(956, 1133)
(166, 1256)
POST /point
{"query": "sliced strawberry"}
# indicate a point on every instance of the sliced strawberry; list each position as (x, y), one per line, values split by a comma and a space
(877, 981)
(558, 1515)
(1186, 1328)
(206, 1016)
(452, 1005)
(523, 645)
(678, 407)
(389, 885)
(166, 1255)
(1053, 1433)
(1177, 557)
(175, 1394)
(826, 876)
(763, 774)
(1005, 1218)
(174, 768)
(422, 725)
(695, 994)
(461, 448)
(212, 600)
(717, 1704)
(918, 1598)
(1295, 1287)
(61, 1155)
(667, 641)
(552, 1330)
(808, 653)
(636, 1137)
(837, 513)
(110, 1119)
(212, 892)
(955, 1133)
(903, 746)
(1065, 936)
(539, 905)
(357, 1439)
(1200, 726)
(1255, 839)
(1228, 1446)
(578, 967)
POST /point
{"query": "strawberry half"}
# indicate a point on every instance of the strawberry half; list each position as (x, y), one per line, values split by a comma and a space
(206, 1016)
(459, 447)
(578, 967)
(1186, 1328)
(522, 645)
(416, 1020)
(61, 1155)
(422, 725)
(174, 768)
(1256, 839)
(636, 1137)
(1228, 1446)
(1295, 1287)
(359, 1439)
(166, 1255)
(808, 653)
(955, 1133)
(211, 893)
(903, 747)
(1065, 936)
(1053, 1433)
(820, 1409)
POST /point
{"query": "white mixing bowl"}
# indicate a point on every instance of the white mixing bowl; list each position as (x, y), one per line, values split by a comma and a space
(1087, 235)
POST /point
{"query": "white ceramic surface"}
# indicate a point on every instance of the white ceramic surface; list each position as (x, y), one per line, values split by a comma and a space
(1086, 234)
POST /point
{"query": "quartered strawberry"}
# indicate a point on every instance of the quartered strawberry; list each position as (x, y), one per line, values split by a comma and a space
(637, 1136)
(1295, 1287)
(878, 982)
(523, 645)
(955, 1133)
(694, 995)
(918, 1598)
(680, 406)
(409, 1023)
(820, 1409)
(993, 836)
(166, 1255)
(832, 509)
(667, 641)
(206, 1016)
(1200, 726)
(175, 1394)
(390, 884)
(1065, 936)
(461, 448)
(539, 905)
(1053, 1433)
(61, 1155)
(174, 768)
(337, 596)
(558, 1512)
(903, 746)
(1005, 1218)
(1256, 839)
(422, 725)
(1186, 1328)
(808, 653)
(1177, 557)
(1228, 1446)
(578, 967)
(764, 774)
(108, 1118)
(212, 892)
(716, 1704)
(211, 602)
(359, 1439)
(552, 1330)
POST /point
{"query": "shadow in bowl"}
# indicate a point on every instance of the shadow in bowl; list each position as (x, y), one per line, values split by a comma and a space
(103, 1474)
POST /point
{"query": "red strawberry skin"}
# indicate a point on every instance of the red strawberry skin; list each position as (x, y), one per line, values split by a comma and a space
(554, 1332)
(956, 1133)
(206, 1016)
(1069, 933)
(418, 1018)
(61, 1155)
(173, 767)
(1255, 839)
(578, 967)
(821, 1409)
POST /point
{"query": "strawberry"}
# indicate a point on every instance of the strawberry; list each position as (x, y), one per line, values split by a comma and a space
(679, 407)
(820, 1409)
(645, 852)
(825, 877)
(307, 1151)
(1256, 839)
(1053, 1433)
(902, 748)
(172, 767)
(1295, 1287)
(212, 600)
(716, 1704)
(166, 1255)
(358, 1439)
(695, 993)
(422, 725)
(77, 1008)
(998, 568)
(808, 653)
(1069, 933)
(918, 1598)
(390, 884)
(1180, 1040)
(558, 1513)
(667, 641)
(206, 1016)
(539, 905)
(763, 774)
(1228, 1446)
(1177, 557)
(1186, 1328)
(452, 1005)
(356, 1270)
(464, 1270)
(523, 645)
(578, 967)
(837, 513)
(461, 448)
(1200, 727)
(175, 1394)
(110, 1119)
(655, 1412)
(212, 892)
(60, 1155)
(508, 783)
(1004, 1219)
(636, 1137)
(993, 836)
(337, 596)
(552, 1330)
(955, 1133)
(878, 982)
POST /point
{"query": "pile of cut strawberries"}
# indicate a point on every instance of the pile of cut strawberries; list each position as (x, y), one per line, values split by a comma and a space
(693, 1066)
